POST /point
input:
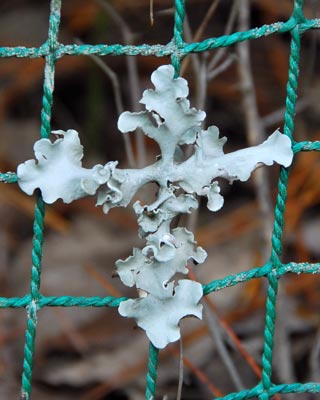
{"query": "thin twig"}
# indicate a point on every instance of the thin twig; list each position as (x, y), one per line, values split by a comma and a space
(134, 85)
(222, 67)
(197, 372)
(118, 101)
(231, 334)
(255, 131)
(203, 84)
(277, 116)
(215, 331)
(255, 135)
(197, 36)
(205, 21)
(151, 13)
(199, 70)
(229, 25)
(283, 361)
(180, 382)
(133, 76)
(195, 59)
(314, 360)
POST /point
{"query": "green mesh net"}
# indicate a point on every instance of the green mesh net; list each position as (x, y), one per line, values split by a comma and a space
(52, 50)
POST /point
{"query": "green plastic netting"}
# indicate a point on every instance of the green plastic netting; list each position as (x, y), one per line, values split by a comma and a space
(52, 50)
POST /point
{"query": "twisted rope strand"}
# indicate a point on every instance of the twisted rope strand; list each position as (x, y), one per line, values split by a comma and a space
(276, 240)
(259, 272)
(291, 99)
(178, 36)
(61, 301)
(32, 320)
(34, 295)
(8, 177)
(269, 335)
(157, 50)
(310, 387)
(152, 372)
(38, 226)
(72, 301)
(214, 286)
(243, 394)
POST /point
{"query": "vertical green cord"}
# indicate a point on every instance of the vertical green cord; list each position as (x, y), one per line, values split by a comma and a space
(32, 307)
(269, 335)
(178, 35)
(276, 251)
(38, 226)
(176, 62)
(152, 372)
(49, 69)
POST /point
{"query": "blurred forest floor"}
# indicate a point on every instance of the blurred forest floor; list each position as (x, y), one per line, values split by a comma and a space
(94, 354)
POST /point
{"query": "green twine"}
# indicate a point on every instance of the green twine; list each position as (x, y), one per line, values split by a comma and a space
(38, 226)
(178, 36)
(269, 334)
(273, 270)
(254, 393)
(9, 177)
(32, 319)
(48, 83)
(276, 239)
(152, 372)
(158, 50)
(61, 301)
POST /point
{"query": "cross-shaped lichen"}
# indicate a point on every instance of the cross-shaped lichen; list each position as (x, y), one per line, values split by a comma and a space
(169, 120)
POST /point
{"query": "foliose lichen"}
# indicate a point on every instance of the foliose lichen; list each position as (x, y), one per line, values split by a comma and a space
(171, 122)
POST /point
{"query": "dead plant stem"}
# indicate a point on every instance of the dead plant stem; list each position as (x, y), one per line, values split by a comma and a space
(119, 103)
(133, 76)
(216, 333)
(255, 131)
(180, 382)
(255, 135)
(197, 36)
(218, 55)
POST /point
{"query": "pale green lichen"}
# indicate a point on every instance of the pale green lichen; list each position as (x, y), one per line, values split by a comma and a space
(169, 120)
